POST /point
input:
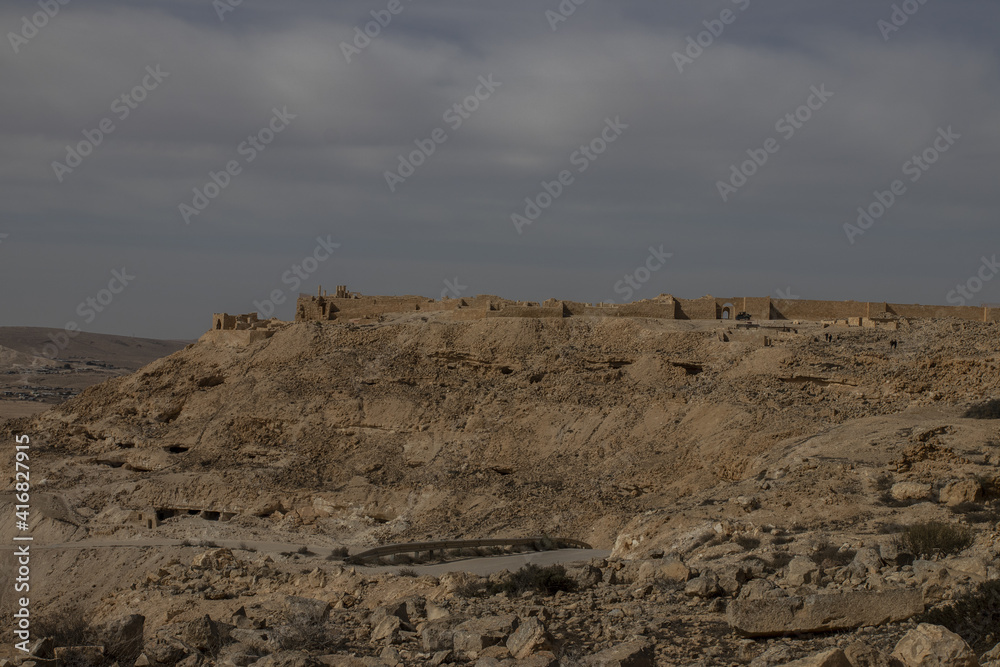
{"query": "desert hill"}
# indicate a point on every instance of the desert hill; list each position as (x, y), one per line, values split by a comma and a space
(430, 427)
(718, 464)
(35, 373)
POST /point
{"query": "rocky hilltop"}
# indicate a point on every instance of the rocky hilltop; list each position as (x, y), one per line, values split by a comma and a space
(715, 463)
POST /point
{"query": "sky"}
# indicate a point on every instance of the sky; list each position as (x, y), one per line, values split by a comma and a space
(165, 160)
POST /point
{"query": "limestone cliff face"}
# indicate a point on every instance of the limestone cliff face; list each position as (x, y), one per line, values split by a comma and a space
(425, 426)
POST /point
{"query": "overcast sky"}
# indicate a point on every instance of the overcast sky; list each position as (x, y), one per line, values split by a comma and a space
(340, 109)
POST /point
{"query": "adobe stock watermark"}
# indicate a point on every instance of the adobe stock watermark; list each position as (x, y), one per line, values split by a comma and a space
(562, 13)
(254, 145)
(87, 310)
(787, 126)
(453, 289)
(633, 282)
(581, 158)
(296, 275)
(900, 16)
(122, 107)
(223, 7)
(915, 167)
(964, 292)
(31, 25)
(787, 294)
(455, 116)
(3, 237)
(363, 35)
(697, 44)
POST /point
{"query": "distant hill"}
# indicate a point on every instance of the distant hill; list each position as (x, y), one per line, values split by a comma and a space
(120, 351)
(31, 381)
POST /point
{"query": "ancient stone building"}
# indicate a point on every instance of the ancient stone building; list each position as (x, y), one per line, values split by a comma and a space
(352, 305)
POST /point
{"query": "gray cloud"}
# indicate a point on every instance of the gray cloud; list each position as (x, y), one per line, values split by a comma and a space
(324, 175)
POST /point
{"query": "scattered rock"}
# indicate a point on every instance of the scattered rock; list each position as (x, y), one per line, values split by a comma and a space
(704, 586)
(832, 658)
(802, 570)
(822, 613)
(637, 653)
(961, 491)
(474, 635)
(529, 637)
(934, 646)
(904, 491)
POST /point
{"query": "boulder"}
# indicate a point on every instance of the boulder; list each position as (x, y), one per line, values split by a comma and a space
(637, 653)
(474, 635)
(306, 611)
(756, 589)
(201, 633)
(934, 646)
(822, 613)
(703, 586)
(961, 491)
(529, 637)
(124, 637)
(831, 658)
(993, 655)
(586, 576)
(265, 640)
(387, 630)
(671, 568)
(904, 491)
(860, 654)
(866, 561)
(802, 570)
(437, 635)
(215, 559)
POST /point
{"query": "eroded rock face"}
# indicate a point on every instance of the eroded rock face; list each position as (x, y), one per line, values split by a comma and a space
(822, 613)
(934, 646)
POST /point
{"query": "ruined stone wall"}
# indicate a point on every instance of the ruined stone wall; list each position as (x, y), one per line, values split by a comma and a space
(320, 308)
(801, 309)
(705, 308)
(916, 310)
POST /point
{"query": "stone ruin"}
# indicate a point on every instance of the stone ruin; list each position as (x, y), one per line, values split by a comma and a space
(344, 304)
(354, 306)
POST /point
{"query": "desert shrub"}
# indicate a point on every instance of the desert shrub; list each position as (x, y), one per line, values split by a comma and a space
(406, 572)
(531, 577)
(304, 550)
(354, 560)
(208, 544)
(471, 589)
(974, 616)
(69, 628)
(187, 543)
(933, 537)
(338, 553)
(988, 410)
(66, 629)
(312, 636)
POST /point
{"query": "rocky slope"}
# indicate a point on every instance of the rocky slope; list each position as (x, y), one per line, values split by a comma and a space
(660, 439)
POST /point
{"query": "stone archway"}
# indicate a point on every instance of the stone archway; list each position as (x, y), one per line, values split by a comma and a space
(728, 312)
